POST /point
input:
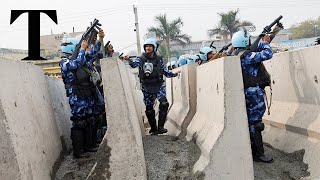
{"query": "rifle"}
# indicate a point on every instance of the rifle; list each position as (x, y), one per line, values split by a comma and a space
(224, 48)
(89, 35)
(130, 57)
(267, 29)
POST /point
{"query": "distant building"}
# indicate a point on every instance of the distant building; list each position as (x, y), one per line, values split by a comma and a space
(50, 44)
(50, 49)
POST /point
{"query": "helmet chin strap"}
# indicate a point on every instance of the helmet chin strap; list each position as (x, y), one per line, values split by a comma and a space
(150, 54)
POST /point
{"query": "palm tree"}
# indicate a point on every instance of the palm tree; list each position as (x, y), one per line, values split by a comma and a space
(169, 32)
(228, 25)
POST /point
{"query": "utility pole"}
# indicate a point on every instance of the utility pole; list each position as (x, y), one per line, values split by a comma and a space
(137, 29)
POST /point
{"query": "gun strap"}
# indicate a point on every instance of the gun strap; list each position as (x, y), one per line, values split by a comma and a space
(268, 103)
(87, 70)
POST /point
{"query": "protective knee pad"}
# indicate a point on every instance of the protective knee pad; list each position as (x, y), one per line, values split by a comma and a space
(150, 113)
(164, 105)
(259, 126)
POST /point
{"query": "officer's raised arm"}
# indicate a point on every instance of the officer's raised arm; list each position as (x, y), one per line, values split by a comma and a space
(67, 48)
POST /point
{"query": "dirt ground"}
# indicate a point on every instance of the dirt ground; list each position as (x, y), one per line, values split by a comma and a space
(75, 169)
(171, 158)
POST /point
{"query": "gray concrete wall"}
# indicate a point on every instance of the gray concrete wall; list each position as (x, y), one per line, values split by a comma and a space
(220, 125)
(137, 97)
(184, 97)
(121, 154)
(30, 141)
(295, 110)
(169, 92)
(62, 111)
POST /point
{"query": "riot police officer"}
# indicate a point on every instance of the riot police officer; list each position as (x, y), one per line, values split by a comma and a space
(151, 71)
(206, 53)
(255, 79)
(78, 76)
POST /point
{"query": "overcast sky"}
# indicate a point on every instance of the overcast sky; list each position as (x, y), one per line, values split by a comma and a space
(117, 17)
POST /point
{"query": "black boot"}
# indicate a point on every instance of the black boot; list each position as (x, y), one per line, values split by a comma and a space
(95, 126)
(101, 127)
(163, 111)
(258, 149)
(77, 137)
(90, 145)
(161, 121)
(152, 121)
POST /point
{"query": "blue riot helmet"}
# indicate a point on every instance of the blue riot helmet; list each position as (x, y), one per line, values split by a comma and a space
(192, 59)
(68, 45)
(173, 64)
(204, 53)
(182, 60)
(150, 42)
(168, 66)
(241, 39)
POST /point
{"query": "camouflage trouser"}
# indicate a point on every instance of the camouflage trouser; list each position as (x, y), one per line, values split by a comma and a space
(149, 97)
(80, 107)
(255, 106)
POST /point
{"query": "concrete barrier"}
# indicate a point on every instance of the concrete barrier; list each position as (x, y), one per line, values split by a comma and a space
(295, 113)
(184, 97)
(137, 97)
(121, 154)
(30, 142)
(220, 125)
(62, 111)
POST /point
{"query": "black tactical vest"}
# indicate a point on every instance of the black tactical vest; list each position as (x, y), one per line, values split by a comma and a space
(82, 85)
(262, 79)
(156, 77)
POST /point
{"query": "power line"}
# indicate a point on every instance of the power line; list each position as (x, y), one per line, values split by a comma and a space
(43, 26)
(77, 15)
(273, 3)
(127, 46)
(220, 7)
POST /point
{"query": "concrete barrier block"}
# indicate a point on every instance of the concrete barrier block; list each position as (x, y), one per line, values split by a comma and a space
(184, 98)
(220, 125)
(295, 104)
(169, 92)
(137, 97)
(121, 154)
(27, 123)
(62, 111)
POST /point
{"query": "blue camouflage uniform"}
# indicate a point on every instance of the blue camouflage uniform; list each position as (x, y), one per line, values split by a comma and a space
(254, 96)
(99, 105)
(149, 97)
(80, 106)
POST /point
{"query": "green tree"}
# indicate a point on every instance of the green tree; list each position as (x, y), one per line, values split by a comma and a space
(169, 32)
(306, 29)
(228, 25)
